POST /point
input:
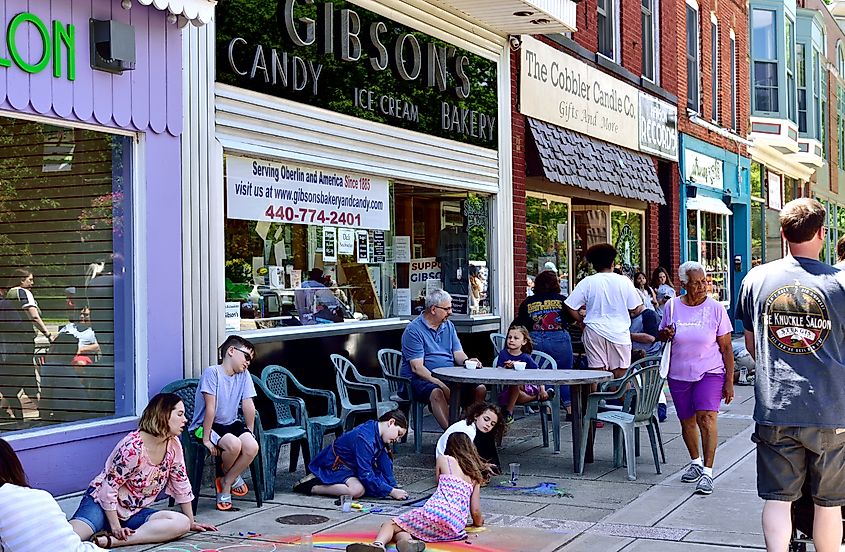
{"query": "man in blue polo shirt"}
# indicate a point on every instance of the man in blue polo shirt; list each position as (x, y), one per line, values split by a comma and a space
(430, 342)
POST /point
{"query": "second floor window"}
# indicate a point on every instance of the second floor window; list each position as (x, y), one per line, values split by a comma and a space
(801, 70)
(817, 72)
(790, 68)
(650, 38)
(714, 71)
(693, 91)
(607, 28)
(734, 118)
(765, 64)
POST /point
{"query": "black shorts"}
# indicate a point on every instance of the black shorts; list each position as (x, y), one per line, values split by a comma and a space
(219, 430)
(786, 455)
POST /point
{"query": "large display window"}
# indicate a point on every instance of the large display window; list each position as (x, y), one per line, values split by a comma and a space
(317, 246)
(621, 227)
(707, 243)
(547, 236)
(66, 322)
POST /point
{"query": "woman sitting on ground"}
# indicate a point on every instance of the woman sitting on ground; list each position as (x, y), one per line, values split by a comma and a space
(30, 519)
(114, 510)
(358, 462)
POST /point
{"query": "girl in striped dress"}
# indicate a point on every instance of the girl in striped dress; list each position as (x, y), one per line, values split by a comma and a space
(444, 516)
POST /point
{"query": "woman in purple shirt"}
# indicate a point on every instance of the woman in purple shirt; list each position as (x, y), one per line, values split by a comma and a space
(700, 331)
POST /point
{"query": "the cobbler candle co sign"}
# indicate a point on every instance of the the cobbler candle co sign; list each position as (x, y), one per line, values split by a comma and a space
(338, 56)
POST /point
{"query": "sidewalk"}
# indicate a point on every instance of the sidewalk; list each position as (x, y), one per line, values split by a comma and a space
(552, 509)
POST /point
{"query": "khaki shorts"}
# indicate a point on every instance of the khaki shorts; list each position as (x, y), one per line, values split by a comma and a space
(604, 354)
(787, 455)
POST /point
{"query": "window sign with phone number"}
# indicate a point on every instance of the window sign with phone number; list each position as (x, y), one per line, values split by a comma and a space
(262, 190)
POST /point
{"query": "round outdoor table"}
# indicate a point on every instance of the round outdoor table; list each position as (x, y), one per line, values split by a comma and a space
(580, 381)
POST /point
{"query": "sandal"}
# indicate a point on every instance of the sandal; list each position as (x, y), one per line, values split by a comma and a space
(361, 547)
(224, 502)
(307, 483)
(238, 488)
(95, 538)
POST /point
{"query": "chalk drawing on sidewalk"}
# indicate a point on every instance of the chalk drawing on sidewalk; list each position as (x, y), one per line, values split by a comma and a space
(542, 489)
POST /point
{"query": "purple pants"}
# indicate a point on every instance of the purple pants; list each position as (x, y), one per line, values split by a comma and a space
(692, 396)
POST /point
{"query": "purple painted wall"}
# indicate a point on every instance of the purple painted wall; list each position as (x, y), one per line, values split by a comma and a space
(148, 100)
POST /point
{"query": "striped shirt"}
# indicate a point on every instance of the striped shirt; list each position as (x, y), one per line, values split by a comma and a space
(31, 521)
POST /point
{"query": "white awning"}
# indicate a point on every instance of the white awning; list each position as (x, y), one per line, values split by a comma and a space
(198, 12)
(708, 205)
(515, 17)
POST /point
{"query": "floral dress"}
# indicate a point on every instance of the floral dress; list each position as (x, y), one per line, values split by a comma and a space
(130, 481)
(444, 516)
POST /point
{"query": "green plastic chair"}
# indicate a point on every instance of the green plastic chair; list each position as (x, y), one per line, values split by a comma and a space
(611, 385)
(347, 377)
(643, 388)
(390, 361)
(195, 452)
(278, 380)
(547, 362)
(289, 428)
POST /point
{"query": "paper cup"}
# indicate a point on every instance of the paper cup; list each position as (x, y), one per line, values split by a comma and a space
(518, 365)
(470, 364)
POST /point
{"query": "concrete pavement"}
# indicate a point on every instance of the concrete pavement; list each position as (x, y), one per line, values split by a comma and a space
(551, 509)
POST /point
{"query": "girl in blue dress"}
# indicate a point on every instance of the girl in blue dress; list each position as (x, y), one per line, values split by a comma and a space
(358, 462)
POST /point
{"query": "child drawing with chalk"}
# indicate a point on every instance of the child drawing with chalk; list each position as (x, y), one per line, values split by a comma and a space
(443, 516)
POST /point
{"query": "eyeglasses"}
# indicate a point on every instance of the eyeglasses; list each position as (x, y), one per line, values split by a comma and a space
(247, 356)
(447, 309)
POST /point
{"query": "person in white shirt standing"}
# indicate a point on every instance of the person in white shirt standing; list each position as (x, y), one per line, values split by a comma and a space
(31, 519)
(610, 300)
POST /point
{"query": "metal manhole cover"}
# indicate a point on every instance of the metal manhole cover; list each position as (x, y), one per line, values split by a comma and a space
(301, 519)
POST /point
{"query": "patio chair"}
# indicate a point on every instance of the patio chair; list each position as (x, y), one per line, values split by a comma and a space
(347, 377)
(498, 341)
(277, 379)
(390, 361)
(546, 362)
(195, 452)
(289, 428)
(612, 385)
(643, 387)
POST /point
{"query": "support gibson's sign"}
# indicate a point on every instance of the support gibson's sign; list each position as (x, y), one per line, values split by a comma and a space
(564, 91)
(335, 55)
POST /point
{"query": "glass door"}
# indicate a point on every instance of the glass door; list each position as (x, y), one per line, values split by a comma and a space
(547, 236)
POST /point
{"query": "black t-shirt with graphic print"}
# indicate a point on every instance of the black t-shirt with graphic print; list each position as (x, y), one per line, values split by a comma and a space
(543, 312)
(796, 308)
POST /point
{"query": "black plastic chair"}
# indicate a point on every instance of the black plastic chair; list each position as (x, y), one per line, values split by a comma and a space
(195, 452)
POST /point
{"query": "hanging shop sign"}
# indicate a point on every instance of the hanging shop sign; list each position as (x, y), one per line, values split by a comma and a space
(773, 186)
(559, 89)
(298, 194)
(703, 170)
(57, 45)
(658, 127)
(338, 56)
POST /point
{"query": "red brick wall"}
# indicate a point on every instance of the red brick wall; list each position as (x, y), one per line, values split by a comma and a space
(730, 14)
(518, 149)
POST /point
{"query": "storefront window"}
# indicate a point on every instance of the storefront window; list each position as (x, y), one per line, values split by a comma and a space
(757, 225)
(774, 246)
(547, 236)
(707, 237)
(590, 229)
(294, 265)
(626, 235)
(65, 256)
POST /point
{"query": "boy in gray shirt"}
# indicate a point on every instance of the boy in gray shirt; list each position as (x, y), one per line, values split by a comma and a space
(221, 391)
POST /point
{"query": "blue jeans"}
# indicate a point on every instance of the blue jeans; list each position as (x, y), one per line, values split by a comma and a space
(557, 345)
(95, 517)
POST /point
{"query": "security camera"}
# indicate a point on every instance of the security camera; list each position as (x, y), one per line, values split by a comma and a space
(515, 43)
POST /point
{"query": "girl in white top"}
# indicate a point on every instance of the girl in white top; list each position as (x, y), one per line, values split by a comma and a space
(480, 418)
(31, 519)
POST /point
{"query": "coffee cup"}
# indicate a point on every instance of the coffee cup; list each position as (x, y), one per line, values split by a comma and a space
(518, 365)
(470, 364)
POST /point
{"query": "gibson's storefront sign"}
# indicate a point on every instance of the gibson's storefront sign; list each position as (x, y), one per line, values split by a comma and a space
(339, 56)
(564, 91)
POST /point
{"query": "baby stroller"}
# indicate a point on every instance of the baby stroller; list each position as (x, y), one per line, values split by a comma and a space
(802, 521)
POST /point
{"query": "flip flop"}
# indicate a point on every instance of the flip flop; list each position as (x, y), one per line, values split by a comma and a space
(361, 547)
(224, 502)
(239, 487)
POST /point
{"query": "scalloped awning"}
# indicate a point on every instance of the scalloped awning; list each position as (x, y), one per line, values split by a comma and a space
(198, 12)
